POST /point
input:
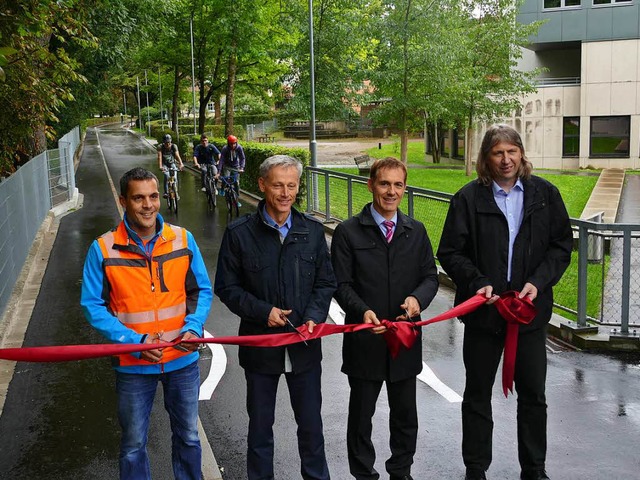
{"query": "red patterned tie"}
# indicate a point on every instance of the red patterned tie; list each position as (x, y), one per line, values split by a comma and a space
(389, 226)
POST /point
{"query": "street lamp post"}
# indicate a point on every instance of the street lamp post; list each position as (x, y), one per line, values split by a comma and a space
(312, 122)
(193, 79)
(313, 205)
(146, 87)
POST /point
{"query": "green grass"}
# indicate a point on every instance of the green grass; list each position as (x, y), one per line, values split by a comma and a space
(575, 189)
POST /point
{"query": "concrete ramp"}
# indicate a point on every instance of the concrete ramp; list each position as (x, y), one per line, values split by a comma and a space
(605, 196)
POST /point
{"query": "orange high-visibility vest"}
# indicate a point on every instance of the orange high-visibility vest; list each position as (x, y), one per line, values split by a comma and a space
(147, 296)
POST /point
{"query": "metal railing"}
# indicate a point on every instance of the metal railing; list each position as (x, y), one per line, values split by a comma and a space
(25, 198)
(600, 286)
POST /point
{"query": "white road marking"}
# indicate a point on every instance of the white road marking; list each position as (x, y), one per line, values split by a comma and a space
(426, 376)
(216, 370)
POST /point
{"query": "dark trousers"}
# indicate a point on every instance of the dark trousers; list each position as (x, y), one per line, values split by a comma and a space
(482, 351)
(306, 401)
(403, 427)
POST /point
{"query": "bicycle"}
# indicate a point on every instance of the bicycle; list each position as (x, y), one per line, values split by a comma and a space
(230, 194)
(173, 198)
(210, 187)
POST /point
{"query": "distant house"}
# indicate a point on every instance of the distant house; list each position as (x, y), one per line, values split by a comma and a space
(587, 108)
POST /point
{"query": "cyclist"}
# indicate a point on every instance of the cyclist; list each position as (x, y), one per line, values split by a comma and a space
(167, 156)
(205, 154)
(232, 156)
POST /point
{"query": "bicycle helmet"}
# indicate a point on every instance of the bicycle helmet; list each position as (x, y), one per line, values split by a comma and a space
(166, 138)
(232, 139)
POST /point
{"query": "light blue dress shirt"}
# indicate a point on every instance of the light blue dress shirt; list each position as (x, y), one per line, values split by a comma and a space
(511, 205)
(379, 219)
(282, 229)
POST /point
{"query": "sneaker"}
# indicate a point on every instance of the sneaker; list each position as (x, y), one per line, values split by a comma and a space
(165, 195)
(203, 189)
(239, 204)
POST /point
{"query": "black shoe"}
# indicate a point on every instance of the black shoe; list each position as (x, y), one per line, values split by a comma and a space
(474, 474)
(534, 475)
(403, 477)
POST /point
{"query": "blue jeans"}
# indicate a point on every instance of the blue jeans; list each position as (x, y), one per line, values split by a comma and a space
(135, 400)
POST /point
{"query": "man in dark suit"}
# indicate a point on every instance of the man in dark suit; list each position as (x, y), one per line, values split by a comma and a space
(274, 273)
(507, 230)
(385, 269)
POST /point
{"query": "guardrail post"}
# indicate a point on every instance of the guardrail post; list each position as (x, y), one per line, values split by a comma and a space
(309, 173)
(326, 196)
(626, 275)
(582, 275)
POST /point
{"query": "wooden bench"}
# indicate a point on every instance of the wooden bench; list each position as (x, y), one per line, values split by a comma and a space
(266, 138)
(363, 162)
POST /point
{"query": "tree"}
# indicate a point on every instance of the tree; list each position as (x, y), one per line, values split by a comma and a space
(488, 85)
(38, 75)
(341, 52)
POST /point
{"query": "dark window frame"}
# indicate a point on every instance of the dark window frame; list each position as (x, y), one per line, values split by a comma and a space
(613, 154)
(566, 136)
(563, 5)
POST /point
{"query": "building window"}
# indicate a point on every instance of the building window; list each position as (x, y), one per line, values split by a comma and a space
(571, 136)
(609, 136)
(563, 3)
(609, 2)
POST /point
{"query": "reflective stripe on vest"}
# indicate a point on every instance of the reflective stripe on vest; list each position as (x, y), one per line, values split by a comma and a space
(148, 296)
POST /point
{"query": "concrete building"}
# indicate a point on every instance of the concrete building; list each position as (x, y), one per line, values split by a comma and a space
(587, 108)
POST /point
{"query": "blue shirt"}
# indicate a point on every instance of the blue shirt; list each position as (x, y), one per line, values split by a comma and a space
(511, 205)
(379, 219)
(282, 229)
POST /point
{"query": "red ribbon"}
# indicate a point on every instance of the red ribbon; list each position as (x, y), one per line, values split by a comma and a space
(515, 311)
(399, 335)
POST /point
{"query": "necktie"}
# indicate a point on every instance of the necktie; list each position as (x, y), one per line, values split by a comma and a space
(389, 226)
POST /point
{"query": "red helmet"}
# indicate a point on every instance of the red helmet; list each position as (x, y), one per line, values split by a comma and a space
(232, 139)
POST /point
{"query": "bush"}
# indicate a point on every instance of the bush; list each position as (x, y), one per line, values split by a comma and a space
(256, 153)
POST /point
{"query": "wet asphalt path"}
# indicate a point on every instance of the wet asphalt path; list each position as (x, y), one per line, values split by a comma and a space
(59, 419)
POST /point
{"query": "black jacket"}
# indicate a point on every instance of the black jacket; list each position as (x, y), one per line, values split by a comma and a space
(256, 272)
(474, 248)
(375, 275)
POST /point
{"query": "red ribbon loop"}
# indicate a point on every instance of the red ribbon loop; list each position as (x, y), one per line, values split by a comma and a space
(515, 311)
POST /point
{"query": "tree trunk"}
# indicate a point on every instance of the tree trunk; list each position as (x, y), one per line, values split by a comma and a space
(217, 106)
(468, 163)
(231, 86)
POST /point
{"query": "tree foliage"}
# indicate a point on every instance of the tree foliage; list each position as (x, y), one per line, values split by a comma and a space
(432, 64)
(40, 73)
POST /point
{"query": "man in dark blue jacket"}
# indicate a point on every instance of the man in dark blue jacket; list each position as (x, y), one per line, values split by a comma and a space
(274, 273)
(507, 230)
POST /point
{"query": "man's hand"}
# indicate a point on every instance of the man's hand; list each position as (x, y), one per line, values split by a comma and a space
(488, 293)
(411, 306)
(276, 317)
(529, 290)
(191, 347)
(310, 325)
(152, 356)
(370, 317)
